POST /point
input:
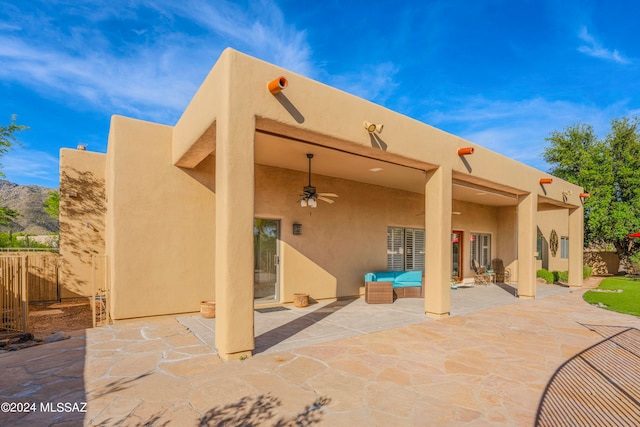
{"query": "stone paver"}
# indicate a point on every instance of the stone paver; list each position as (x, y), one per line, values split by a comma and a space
(485, 367)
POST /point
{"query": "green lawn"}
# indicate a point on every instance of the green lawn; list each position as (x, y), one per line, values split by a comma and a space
(628, 301)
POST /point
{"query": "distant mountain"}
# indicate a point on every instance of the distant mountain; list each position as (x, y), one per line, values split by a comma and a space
(28, 200)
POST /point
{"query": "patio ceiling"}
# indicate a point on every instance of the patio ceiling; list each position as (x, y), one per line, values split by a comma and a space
(290, 153)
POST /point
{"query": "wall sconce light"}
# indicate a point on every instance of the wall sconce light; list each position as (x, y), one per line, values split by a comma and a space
(585, 195)
(466, 150)
(546, 181)
(82, 147)
(277, 85)
(567, 193)
(371, 127)
(297, 229)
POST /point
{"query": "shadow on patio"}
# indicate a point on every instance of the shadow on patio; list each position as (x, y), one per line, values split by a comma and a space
(598, 386)
(287, 327)
(275, 336)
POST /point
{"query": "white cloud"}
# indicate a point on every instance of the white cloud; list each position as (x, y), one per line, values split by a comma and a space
(517, 129)
(154, 76)
(595, 49)
(24, 166)
(261, 29)
(373, 82)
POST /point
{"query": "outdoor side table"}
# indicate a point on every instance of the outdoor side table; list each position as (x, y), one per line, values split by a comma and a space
(378, 292)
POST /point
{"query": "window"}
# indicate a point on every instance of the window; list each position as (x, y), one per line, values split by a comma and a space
(481, 249)
(564, 247)
(539, 246)
(405, 249)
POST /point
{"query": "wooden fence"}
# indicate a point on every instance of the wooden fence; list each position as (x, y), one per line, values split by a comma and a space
(43, 277)
(14, 298)
(25, 277)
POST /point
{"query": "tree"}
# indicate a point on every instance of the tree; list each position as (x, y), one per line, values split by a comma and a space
(7, 216)
(8, 137)
(609, 169)
(52, 204)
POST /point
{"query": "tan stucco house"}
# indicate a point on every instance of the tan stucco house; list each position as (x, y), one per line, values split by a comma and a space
(214, 208)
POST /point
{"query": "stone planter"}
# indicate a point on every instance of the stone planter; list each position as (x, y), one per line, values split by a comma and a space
(208, 309)
(301, 300)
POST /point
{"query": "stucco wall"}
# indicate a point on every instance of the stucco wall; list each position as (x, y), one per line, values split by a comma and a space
(553, 220)
(161, 237)
(82, 219)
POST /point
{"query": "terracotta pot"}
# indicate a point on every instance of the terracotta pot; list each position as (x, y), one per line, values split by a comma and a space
(208, 309)
(301, 300)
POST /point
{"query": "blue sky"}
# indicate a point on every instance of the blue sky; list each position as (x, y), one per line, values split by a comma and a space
(503, 74)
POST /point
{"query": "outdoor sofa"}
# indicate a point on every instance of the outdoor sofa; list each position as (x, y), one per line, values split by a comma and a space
(384, 286)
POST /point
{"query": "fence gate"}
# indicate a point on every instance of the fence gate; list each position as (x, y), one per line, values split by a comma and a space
(101, 286)
(43, 277)
(14, 300)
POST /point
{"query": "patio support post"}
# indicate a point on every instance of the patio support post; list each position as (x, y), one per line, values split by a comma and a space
(437, 292)
(576, 243)
(527, 234)
(234, 235)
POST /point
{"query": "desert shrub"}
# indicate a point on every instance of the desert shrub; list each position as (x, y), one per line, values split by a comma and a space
(545, 274)
(563, 276)
(586, 271)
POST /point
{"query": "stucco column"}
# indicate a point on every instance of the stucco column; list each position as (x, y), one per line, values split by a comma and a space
(234, 236)
(576, 243)
(437, 292)
(527, 233)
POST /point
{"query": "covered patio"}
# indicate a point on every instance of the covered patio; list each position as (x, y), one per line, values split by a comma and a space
(287, 327)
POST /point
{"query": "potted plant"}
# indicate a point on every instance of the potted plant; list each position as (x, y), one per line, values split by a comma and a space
(208, 309)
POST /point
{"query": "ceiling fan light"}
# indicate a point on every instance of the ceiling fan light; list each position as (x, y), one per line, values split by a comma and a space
(312, 203)
(303, 203)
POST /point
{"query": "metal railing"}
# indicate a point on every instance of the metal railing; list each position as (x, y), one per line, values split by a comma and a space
(101, 291)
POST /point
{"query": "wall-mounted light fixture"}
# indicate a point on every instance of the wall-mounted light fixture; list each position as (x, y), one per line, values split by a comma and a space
(585, 195)
(276, 85)
(546, 181)
(466, 150)
(372, 127)
(297, 229)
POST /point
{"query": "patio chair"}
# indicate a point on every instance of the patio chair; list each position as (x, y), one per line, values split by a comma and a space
(503, 275)
(481, 277)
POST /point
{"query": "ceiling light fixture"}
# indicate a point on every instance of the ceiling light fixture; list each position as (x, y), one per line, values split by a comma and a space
(372, 127)
(375, 169)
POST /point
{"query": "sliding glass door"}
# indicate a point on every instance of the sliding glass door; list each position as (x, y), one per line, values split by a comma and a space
(266, 233)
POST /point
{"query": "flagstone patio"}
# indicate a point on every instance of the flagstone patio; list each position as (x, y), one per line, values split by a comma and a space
(487, 367)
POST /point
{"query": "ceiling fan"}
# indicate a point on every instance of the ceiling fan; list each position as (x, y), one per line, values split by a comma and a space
(309, 194)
